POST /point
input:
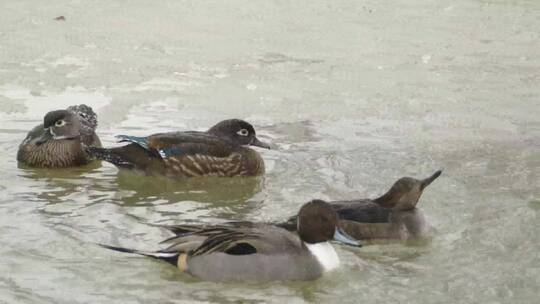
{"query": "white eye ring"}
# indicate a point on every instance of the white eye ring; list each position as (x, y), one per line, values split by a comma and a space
(60, 123)
(83, 115)
(243, 132)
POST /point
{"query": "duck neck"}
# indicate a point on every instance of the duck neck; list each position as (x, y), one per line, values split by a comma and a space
(385, 200)
(325, 254)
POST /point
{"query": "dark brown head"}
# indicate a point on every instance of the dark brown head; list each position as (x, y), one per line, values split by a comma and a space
(62, 124)
(405, 192)
(239, 132)
(318, 222)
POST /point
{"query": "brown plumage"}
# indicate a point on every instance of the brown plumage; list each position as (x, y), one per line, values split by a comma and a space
(391, 216)
(58, 142)
(221, 151)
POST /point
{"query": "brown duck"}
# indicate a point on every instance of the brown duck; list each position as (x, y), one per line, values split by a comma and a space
(220, 151)
(58, 142)
(391, 216)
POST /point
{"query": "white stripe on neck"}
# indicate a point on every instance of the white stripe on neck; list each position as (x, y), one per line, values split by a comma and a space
(325, 254)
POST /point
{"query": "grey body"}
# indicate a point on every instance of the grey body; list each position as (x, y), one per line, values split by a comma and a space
(255, 252)
(280, 256)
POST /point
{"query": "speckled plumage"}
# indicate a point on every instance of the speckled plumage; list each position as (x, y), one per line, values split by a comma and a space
(41, 149)
(391, 216)
(221, 151)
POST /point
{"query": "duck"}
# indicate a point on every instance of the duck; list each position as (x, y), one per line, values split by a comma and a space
(392, 216)
(255, 252)
(223, 150)
(59, 141)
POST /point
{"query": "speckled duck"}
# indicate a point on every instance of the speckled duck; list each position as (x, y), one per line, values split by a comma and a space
(58, 142)
(392, 216)
(220, 151)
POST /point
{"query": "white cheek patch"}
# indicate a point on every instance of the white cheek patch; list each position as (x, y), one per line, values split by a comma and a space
(61, 137)
(56, 137)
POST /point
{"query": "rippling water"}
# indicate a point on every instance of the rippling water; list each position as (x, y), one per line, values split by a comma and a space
(352, 95)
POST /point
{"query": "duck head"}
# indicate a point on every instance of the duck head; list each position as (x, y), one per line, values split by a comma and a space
(239, 132)
(60, 124)
(318, 222)
(405, 192)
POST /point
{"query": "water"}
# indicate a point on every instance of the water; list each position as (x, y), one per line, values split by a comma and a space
(352, 96)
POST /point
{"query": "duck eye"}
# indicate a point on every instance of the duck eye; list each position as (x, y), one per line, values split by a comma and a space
(83, 115)
(243, 132)
(60, 123)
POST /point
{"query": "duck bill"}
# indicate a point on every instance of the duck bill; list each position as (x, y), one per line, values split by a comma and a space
(430, 179)
(256, 142)
(44, 137)
(342, 237)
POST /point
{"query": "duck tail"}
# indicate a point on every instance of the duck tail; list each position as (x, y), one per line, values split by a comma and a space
(430, 179)
(169, 257)
(141, 141)
(110, 155)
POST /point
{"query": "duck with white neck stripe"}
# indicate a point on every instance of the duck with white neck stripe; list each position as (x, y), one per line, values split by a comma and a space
(256, 252)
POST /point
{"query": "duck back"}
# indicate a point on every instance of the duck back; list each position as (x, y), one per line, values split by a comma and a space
(364, 210)
(182, 154)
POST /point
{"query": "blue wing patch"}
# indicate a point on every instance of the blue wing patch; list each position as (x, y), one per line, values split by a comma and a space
(168, 152)
(141, 141)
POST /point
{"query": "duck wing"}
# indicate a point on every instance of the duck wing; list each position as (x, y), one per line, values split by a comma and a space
(185, 229)
(364, 211)
(199, 240)
(244, 239)
(193, 150)
(176, 144)
(234, 238)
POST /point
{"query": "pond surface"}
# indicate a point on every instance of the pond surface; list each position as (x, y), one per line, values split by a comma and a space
(352, 95)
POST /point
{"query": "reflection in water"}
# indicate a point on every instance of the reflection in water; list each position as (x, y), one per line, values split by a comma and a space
(229, 198)
(71, 172)
(68, 191)
(60, 182)
(203, 189)
(144, 189)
